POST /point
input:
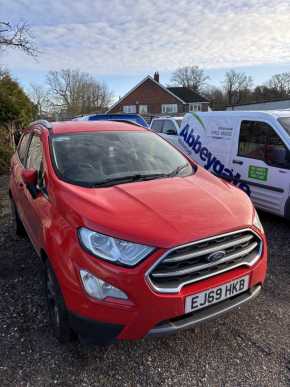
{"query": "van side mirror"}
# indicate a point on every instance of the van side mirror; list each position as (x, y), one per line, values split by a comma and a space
(171, 132)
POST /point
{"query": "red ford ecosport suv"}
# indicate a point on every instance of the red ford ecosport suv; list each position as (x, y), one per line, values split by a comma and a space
(136, 239)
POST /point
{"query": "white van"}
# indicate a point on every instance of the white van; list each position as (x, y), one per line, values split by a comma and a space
(250, 149)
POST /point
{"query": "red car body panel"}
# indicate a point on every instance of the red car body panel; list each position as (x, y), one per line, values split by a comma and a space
(162, 213)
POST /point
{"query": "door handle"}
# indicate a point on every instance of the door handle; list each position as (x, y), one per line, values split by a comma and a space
(238, 162)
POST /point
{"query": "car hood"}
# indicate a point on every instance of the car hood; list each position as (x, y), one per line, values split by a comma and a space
(164, 212)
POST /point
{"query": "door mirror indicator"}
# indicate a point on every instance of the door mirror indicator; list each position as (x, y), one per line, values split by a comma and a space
(29, 176)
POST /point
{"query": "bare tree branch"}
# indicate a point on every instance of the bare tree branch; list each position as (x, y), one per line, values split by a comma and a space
(39, 96)
(77, 93)
(18, 37)
(280, 83)
(191, 77)
(236, 85)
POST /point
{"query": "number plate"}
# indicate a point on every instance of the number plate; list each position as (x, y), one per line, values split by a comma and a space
(215, 295)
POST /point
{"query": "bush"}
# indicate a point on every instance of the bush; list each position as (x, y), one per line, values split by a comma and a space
(5, 156)
(6, 152)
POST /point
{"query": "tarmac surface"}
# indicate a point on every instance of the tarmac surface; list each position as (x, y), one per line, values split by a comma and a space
(247, 347)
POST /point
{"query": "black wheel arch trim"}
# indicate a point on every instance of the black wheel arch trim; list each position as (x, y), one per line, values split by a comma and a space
(287, 209)
(94, 332)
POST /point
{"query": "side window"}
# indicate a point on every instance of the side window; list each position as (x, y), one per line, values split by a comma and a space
(276, 152)
(157, 125)
(253, 139)
(22, 147)
(258, 140)
(34, 161)
(34, 156)
(169, 128)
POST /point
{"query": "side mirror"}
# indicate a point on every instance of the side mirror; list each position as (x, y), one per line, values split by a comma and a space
(29, 177)
(171, 132)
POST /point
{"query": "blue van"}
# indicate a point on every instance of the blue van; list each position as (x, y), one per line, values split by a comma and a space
(136, 118)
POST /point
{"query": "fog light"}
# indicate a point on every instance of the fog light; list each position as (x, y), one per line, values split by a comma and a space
(99, 289)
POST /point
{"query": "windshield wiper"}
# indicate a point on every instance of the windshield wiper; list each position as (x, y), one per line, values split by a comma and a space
(176, 171)
(129, 179)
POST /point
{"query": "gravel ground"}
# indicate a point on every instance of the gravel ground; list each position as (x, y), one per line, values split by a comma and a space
(248, 347)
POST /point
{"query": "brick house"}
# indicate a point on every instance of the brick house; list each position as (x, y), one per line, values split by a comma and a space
(149, 97)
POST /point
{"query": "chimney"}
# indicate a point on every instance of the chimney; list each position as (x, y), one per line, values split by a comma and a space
(156, 76)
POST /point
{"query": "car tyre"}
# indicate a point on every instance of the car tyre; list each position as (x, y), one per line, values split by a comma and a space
(18, 225)
(287, 209)
(58, 313)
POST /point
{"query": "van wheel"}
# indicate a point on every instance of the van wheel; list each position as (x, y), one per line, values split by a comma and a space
(18, 225)
(58, 313)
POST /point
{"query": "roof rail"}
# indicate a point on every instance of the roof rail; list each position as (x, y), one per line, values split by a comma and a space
(128, 122)
(44, 123)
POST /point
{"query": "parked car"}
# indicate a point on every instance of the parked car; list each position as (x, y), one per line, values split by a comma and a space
(136, 239)
(251, 149)
(127, 117)
(167, 127)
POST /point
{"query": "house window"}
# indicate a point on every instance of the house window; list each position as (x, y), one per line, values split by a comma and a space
(129, 109)
(169, 108)
(194, 107)
(143, 109)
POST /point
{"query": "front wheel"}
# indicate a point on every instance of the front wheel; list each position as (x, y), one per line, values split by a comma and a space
(58, 313)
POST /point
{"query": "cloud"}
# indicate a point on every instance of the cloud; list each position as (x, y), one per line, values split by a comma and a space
(125, 37)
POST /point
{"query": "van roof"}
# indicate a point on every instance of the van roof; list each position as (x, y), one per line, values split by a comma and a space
(249, 113)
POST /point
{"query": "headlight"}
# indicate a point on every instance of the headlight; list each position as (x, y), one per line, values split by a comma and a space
(257, 223)
(99, 289)
(113, 249)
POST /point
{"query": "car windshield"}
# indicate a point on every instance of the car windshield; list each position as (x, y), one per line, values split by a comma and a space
(95, 159)
(285, 122)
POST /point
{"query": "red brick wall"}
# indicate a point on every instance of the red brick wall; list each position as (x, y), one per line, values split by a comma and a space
(148, 94)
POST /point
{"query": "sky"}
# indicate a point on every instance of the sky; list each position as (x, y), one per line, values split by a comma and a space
(122, 41)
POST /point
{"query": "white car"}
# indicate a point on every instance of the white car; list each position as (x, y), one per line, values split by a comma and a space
(167, 127)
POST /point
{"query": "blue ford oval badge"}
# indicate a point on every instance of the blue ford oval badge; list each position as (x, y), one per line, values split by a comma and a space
(216, 256)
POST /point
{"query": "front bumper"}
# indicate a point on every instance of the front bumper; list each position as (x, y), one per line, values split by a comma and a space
(147, 312)
(100, 333)
(188, 320)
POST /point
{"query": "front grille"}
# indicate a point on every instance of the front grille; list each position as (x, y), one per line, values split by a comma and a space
(203, 259)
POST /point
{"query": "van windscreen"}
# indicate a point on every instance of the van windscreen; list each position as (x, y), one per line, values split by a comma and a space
(285, 122)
